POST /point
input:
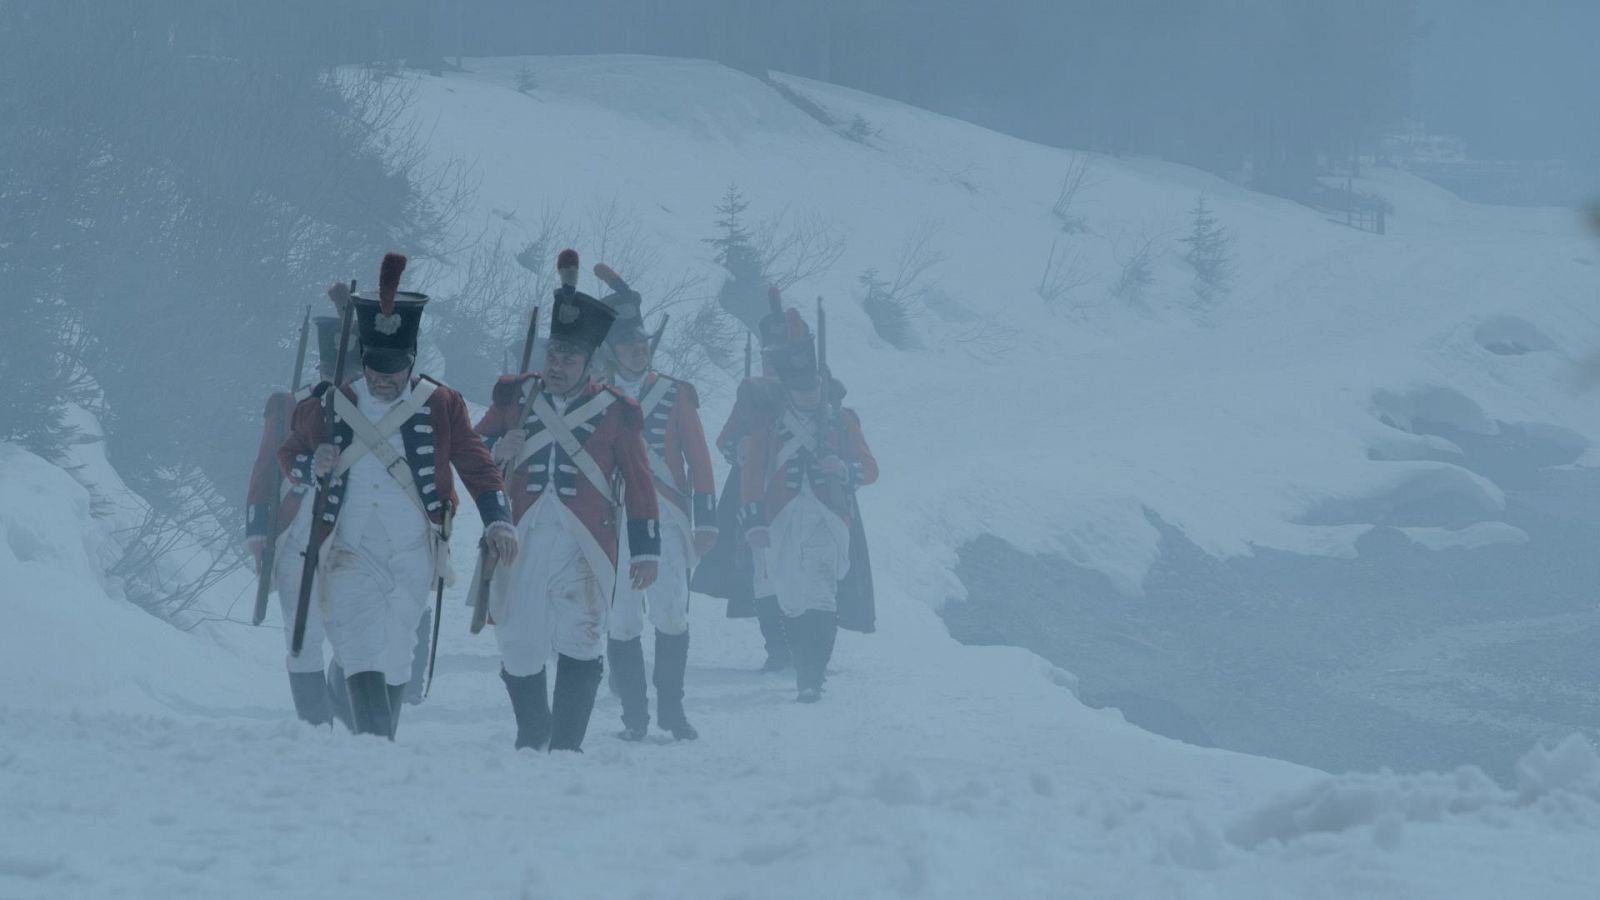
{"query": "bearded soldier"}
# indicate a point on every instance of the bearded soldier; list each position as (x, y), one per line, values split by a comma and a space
(577, 456)
(799, 476)
(680, 463)
(318, 699)
(387, 462)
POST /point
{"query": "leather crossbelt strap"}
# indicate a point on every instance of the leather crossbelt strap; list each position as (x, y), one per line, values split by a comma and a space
(802, 437)
(591, 408)
(649, 402)
(373, 437)
(559, 431)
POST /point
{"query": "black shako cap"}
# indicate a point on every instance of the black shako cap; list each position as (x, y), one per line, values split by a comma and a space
(389, 343)
(580, 321)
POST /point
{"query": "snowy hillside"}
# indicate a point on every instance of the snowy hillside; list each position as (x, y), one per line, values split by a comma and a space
(137, 760)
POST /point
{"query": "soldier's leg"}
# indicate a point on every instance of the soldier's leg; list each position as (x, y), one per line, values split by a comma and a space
(669, 613)
(306, 685)
(807, 571)
(339, 696)
(530, 704)
(625, 652)
(354, 599)
(411, 569)
(521, 608)
(768, 616)
(579, 615)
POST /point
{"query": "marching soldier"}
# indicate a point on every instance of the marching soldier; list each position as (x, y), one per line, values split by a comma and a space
(318, 698)
(732, 569)
(799, 476)
(578, 441)
(680, 463)
(387, 462)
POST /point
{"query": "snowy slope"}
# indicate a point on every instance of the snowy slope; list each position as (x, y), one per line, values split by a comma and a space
(1240, 424)
(139, 761)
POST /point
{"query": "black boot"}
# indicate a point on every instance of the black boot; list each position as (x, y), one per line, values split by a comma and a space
(627, 682)
(339, 697)
(397, 699)
(310, 695)
(802, 643)
(369, 704)
(827, 633)
(672, 660)
(771, 621)
(530, 703)
(577, 681)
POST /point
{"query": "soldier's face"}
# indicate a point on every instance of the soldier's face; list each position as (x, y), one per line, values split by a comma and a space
(805, 400)
(565, 370)
(386, 386)
(633, 357)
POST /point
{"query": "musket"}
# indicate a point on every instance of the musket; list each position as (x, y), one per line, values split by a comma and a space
(655, 339)
(832, 500)
(486, 564)
(319, 508)
(269, 551)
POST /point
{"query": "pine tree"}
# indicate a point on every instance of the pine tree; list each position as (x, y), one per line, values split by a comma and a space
(744, 292)
(1210, 252)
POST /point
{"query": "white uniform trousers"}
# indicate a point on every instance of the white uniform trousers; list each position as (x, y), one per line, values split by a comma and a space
(809, 553)
(373, 594)
(553, 598)
(667, 601)
(286, 568)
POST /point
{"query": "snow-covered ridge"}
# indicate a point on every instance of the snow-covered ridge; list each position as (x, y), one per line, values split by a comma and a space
(1265, 419)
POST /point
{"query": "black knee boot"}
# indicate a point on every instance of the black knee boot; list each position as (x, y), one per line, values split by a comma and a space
(577, 681)
(530, 703)
(369, 704)
(627, 682)
(339, 697)
(771, 621)
(827, 633)
(310, 695)
(803, 644)
(672, 660)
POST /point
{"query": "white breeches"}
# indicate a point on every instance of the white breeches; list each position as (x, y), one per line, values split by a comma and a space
(286, 568)
(667, 601)
(551, 599)
(373, 595)
(810, 552)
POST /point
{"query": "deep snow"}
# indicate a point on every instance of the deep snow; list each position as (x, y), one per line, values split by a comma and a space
(138, 760)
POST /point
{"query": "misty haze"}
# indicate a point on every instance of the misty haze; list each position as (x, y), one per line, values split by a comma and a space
(726, 449)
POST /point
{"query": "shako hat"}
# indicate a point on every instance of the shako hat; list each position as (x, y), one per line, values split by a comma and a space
(578, 322)
(794, 359)
(389, 320)
(773, 329)
(627, 304)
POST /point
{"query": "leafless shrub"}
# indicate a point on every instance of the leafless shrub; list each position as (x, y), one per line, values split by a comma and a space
(893, 304)
(179, 550)
(793, 249)
(1135, 253)
(1064, 272)
(1074, 183)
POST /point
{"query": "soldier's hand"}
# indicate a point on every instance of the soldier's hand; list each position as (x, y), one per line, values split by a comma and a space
(502, 541)
(832, 468)
(758, 538)
(703, 542)
(643, 574)
(509, 447)
(256, 544)
(326, 458)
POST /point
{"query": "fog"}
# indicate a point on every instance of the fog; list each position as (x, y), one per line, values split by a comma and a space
(1230, 366)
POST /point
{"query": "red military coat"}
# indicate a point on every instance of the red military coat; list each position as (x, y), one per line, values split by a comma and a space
(768, 481)
(676, 442)
(438, 437)
(610, 428)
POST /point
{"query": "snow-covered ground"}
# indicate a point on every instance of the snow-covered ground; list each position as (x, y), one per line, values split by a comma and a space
(136, 760)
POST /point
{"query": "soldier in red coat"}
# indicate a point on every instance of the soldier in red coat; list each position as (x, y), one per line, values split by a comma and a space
(576, 462)
(799, 476)
(732, 569)
(680, 463)
(318, 698)
(387, 465)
